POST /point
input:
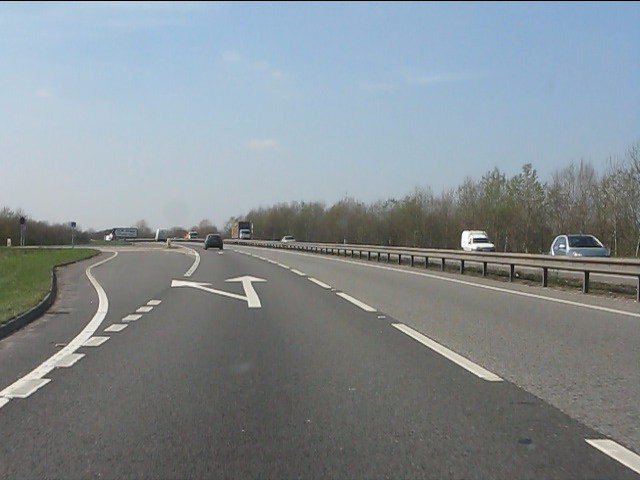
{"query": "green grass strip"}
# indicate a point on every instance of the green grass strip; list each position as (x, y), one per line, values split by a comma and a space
(25, 275)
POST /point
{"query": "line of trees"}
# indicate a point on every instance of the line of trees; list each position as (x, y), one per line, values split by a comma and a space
(37, 232)
(44, 233)
(521, 213)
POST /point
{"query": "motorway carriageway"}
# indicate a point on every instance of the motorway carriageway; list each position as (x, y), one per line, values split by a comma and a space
(187, 363)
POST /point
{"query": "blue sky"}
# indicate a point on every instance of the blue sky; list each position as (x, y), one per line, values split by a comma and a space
(176, 112)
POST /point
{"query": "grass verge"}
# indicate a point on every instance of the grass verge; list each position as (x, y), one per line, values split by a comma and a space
(25, 275)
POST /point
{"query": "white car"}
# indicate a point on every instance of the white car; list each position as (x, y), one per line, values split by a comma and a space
(288, 239)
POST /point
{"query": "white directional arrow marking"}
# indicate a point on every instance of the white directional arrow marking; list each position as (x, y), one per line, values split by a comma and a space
(251, 296)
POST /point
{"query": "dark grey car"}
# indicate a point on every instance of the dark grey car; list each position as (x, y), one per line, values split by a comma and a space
(578, 245)
(213, 240)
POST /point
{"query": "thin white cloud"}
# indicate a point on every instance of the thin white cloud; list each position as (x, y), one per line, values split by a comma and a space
(233, 57)
(42, 93)
(420, 81)
(262, 144)
(428, 80)
(136, 7)
(372, 87)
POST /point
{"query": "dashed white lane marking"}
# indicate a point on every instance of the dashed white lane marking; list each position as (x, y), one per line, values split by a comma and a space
(35, 376)
(116, 327)
(471, 284)
(220, 253)
(273, 262)
(468, 365)
(69, 360)
(623, 455)
(298, 272)
(95, 341)
(24, 387)
(144, 309)
(131, 318)
(154, 303)
(356, 302)
(319, 283)
(283, 266)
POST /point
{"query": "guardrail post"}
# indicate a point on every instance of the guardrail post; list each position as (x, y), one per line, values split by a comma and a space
(399, 259)
(484, 269)
(412, 261)
(585, 283)
(378, 256)
(442, 264)
(545, 277)
(426, 263)
(638, 289)
(461, 267)
(388, 257)
(369, 256)
(512, 272)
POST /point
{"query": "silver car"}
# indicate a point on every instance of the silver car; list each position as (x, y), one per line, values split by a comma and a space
(578, 245)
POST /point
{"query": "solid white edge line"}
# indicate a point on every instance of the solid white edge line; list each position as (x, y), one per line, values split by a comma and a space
(356, 302)
(619, 453)
(463, 362)
(196, 262)
(471, 284)
(319, 283)
(103, 307)
(3, 401)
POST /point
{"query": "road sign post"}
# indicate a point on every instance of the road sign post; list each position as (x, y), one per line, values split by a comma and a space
(73, 232)
(23, 230)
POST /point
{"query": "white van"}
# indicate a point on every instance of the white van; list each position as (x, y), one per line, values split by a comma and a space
(476, 241)
(161, 235)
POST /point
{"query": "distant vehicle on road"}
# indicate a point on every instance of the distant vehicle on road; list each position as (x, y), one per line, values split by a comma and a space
(288, 239)
(476, 241)
(192, 235)
(119, 233)
(238, 228)
(578, 245)
(161, 235)
(213, 240)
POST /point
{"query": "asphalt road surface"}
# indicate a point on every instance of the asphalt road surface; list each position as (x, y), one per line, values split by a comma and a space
(154, 364)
